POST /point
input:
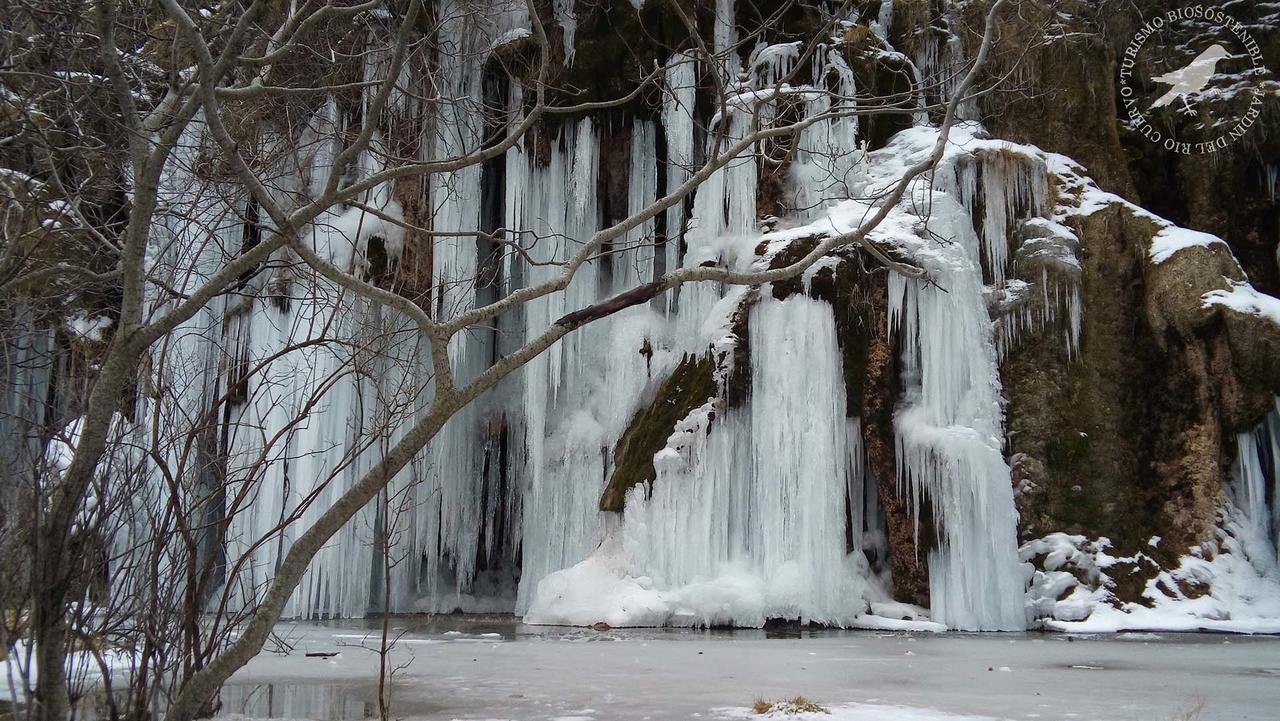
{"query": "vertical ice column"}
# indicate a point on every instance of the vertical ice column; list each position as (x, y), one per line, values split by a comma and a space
(800, 462)
(722, 230)
(563, 477)
(1000, 189)
(883, 23)
(828, 155)
(450, 507)
(745, 523)
(1006, 193)
(1272, 449)
(318, 414)
(275, 456)
(677, 123)
(1255, 485)
(197, 228)
(455, 196)
(725, 36)
(377, 65)
(28, 358)
(949, 431)
(312, 420)
(635, 263)
(312, 460)
(568, 23)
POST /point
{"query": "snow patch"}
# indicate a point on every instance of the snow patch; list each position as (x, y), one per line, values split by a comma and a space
(1244, 298)
(1172, 239)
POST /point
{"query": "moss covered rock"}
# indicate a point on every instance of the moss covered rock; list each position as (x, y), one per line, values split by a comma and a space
(689, 386)
(1132, 438)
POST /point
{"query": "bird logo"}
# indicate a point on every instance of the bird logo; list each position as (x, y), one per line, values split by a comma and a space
(1189, 79)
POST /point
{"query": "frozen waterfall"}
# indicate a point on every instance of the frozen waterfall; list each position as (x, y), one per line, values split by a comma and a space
(758, 506)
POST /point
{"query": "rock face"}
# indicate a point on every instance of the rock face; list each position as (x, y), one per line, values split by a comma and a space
(1133, 437)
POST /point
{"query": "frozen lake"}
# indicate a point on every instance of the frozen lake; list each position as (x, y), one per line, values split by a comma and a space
(495, 668)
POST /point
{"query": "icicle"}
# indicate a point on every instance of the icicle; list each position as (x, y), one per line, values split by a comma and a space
(921, 115)
(1014, 188)
(310, 464)
(1271, 449)
(771, 64)
(273, 464)
(376, 64)
(726, 32)
(940, 63)
(568, 23)
(455, 196)
(948, 429)
(1006, 194)
(856, 482)
(798, 443)
(580, 394)
(1255, 492)
(825, 166)
(883, 23)
(635, 264)
(342, 236)
(723, 227)
(27, 367)
(677, 124)
(449, 506)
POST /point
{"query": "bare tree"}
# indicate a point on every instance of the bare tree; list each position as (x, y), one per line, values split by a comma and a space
(101, 104)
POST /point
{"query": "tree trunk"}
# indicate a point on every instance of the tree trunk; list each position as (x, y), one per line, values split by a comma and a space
(49, 631)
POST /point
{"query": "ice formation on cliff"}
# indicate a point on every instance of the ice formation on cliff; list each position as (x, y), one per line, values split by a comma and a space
(758, 510)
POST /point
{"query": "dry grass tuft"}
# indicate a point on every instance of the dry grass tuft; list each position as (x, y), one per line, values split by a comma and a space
(797, 705)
